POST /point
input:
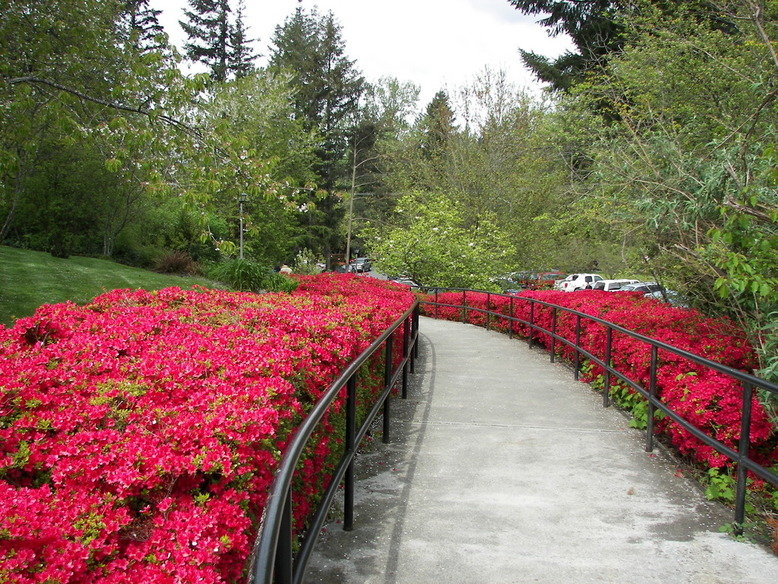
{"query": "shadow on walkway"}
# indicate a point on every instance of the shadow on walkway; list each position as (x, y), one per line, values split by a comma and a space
(503, 469)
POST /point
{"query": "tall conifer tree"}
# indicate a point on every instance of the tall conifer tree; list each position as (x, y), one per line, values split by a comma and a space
(437, 125)
(141, 25)
(208, 30)
(329, 86)
(241, 56)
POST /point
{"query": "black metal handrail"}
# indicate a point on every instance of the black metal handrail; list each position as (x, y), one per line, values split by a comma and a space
(749, 382)
(272, 558)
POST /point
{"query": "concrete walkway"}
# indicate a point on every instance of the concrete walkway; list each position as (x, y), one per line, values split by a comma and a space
(503, 469)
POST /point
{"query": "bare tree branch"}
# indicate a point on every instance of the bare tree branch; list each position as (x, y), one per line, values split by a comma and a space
(117, 106)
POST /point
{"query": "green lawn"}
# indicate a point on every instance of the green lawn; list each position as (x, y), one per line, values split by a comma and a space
(31, 278)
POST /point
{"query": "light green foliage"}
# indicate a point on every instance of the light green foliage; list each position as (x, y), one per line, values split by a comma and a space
(254, 118)
(256, 114)
(87, 161)
(493, 149)
(248, 276)
(63, 123)
(430, 242)
(720, 486)
(305, 263)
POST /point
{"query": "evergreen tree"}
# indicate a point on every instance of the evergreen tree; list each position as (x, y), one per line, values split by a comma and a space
(208, 30)
(241, 56)
(141, 25)
(310, 47)
(597, 29)
(437, 125)
(591, 26)
(329, 86)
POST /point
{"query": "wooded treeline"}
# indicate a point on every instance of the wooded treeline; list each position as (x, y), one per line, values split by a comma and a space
(652, 151)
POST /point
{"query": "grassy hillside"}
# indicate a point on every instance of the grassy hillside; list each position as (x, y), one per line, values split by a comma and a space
(31, 278)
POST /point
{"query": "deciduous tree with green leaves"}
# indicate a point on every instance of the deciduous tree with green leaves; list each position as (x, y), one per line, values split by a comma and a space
(429, 241)
(691, 161)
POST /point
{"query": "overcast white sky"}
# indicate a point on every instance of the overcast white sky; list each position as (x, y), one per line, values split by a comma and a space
(437, 44)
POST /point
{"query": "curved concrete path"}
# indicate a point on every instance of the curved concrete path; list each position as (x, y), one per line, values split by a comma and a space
(502, 469)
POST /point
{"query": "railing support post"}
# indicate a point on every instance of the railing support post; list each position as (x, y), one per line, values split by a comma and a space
(743, 448)
(415, 354)
(606, 393)
(284, 567)
(488, 311)
(406, 364)
(531, 321)
(553, 335)
(651, 398)
(510, 319)
(387, 379)
(464, 306)
(351, 419)
(577, 344)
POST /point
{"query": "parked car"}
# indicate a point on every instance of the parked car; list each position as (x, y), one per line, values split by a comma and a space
(644, 287)
(612, 285)
(654, 290)
(577, 282)
(360, 265)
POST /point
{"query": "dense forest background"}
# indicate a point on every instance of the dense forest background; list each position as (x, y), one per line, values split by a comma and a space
(651, 151)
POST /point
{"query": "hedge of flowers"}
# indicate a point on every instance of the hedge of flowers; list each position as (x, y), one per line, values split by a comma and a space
(139, 433)
(711, 401)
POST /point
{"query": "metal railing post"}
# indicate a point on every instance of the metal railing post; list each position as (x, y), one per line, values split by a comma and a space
(464, 306)
(510, 319)
(488, 311)
(406, 364)
(415, 354)
(577, 344)
(606, 393)
(531, 321)
(351, 419)
(553, 335)
(743, 447)
(284, 566)
(651, 397)
(387, 379)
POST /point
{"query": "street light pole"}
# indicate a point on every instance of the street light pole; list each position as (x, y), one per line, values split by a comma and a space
(241, 199)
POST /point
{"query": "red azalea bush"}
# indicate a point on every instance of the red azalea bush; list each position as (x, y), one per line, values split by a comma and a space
(139, 433)
(709, 400)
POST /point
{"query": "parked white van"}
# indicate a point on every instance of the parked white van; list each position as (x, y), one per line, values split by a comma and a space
(578, 282)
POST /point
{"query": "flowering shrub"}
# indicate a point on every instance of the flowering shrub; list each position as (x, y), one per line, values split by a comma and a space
(139, 433)
(709, 400)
